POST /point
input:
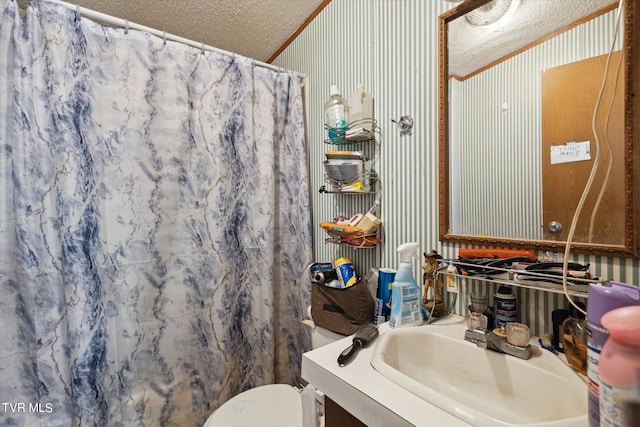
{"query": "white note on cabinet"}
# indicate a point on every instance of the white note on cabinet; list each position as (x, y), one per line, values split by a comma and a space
(570, 152)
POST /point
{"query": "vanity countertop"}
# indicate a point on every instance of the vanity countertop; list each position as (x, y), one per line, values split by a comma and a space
(367, 394)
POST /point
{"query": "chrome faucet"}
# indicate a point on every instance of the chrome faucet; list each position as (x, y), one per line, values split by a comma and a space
(485, 338)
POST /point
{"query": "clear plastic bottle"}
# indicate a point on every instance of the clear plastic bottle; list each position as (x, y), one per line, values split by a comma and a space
(337, 112)
(361, 109)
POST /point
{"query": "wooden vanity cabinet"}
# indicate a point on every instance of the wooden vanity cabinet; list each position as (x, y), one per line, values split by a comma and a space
(336, 416)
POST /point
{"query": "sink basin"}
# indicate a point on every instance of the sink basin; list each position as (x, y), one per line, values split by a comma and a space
(481, 387)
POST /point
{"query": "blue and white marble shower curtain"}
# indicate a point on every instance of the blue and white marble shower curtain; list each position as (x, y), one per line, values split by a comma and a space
(154, 225)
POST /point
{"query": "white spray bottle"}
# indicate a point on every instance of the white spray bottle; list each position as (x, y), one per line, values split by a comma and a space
(405, 292)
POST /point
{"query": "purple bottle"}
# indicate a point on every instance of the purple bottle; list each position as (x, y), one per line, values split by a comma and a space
(602, 299)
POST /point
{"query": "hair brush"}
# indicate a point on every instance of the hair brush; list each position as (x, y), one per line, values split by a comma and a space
(362, 336)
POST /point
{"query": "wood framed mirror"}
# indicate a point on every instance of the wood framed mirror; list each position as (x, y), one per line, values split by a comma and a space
(518, 136)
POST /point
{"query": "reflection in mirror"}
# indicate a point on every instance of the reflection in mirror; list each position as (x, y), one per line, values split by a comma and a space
(517, 140)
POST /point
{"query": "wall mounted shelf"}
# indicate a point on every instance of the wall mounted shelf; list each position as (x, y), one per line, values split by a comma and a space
(349, 170)
(536, 281)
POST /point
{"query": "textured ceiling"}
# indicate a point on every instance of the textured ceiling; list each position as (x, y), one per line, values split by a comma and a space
(259, 28)
(252, 28)
(473, 47)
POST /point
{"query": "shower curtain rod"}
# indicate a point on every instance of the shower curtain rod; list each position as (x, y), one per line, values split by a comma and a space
(124, 23)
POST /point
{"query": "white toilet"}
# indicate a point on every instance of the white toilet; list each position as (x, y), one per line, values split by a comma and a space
(273, 405)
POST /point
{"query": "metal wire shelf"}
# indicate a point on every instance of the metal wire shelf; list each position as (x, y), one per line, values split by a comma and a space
(357, 241)
(364, 183)
(344, 138)
(509, 277)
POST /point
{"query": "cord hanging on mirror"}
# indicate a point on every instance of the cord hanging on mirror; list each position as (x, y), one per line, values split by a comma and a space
(405, 125)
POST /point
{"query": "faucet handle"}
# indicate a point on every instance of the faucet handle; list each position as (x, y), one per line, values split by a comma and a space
(476, 320)
(518, 334)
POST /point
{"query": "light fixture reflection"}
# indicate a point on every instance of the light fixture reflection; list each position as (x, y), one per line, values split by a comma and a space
(492, 12)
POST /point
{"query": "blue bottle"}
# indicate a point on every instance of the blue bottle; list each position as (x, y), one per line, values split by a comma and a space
(406, 295)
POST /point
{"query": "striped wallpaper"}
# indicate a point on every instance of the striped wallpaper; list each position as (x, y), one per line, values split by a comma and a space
(391, 46)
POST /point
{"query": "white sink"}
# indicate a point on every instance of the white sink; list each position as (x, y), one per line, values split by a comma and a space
(481, 387)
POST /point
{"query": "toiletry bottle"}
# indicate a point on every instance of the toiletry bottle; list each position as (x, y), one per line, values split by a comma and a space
(337, 113)
(619, 368)
(361, 109)
(505, 307)
(405, 293)
(602, 299)
(386, 276)
(558, 317)
(573, 335)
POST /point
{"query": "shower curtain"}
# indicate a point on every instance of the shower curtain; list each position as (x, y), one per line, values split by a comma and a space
(154, 225)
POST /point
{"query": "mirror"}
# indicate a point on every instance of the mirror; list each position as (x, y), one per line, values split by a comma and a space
(516, 118)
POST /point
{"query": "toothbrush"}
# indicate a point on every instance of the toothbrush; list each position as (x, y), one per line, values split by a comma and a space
(545, 342)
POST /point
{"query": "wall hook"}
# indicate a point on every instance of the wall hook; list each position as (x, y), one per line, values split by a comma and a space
(405, 124)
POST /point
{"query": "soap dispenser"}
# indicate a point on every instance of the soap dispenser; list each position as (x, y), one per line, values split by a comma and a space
(405, 293)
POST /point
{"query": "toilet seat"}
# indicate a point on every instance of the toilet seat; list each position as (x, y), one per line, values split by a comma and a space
(273, 405)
